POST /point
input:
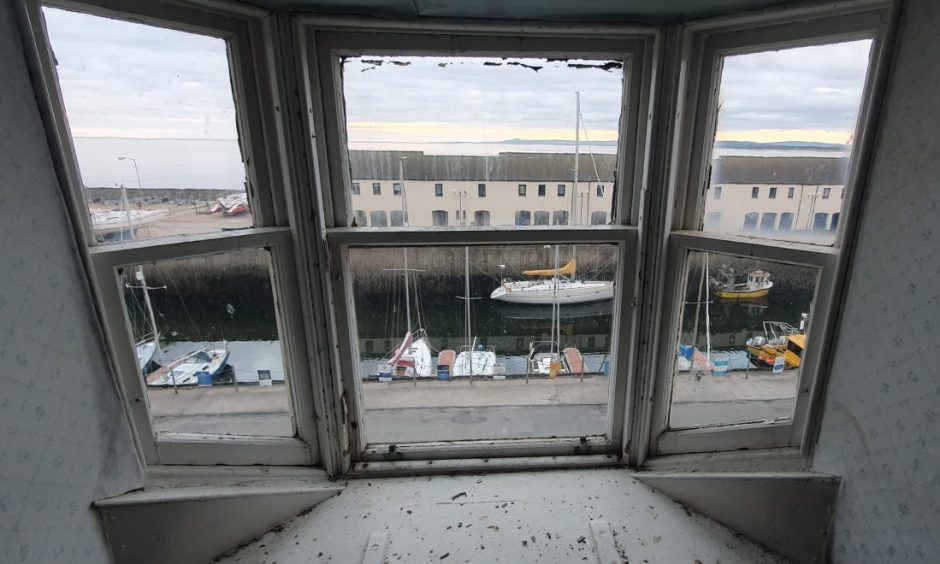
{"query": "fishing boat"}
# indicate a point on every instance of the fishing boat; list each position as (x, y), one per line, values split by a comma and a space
(779, 339)
(542, 291)
(185, 370)
(727, 287)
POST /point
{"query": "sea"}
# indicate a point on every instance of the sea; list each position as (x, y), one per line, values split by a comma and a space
(216, 164)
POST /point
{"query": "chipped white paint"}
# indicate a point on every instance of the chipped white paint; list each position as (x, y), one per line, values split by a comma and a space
(522, 517)
(66, 441)
(880, 422)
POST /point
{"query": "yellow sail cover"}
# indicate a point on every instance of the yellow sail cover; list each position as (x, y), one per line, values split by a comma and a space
(567, 270)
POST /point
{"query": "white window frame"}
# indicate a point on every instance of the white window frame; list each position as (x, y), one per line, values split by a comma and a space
(703, 46)
(325, 40)
(246, 31)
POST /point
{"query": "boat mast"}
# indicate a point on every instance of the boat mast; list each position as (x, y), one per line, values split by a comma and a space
(556, 310)
(466, 289)
(708, 329)
(139, 274)
(577, 144)
(404, 215)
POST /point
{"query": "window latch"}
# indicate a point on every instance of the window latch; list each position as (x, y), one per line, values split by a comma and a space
(583, 448)
(393, 453)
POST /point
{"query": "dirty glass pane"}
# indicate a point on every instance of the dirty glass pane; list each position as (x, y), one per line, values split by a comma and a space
(786, 124)
(217, 365)
(742, 334)
(501, 365)
(467, 133)
(152, 118)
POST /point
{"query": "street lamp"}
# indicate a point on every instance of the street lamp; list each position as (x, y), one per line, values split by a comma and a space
(140, 188)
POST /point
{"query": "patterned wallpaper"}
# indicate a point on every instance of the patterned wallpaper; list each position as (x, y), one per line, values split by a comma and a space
(880, 425)
(65, 439)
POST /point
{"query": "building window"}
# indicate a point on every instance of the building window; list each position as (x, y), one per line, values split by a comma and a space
(786, 221)
(439, 218)
(755, 192)
(542, 218)
(790, 192)
(541, 190)
(481, 218)
(397, 218)
(481, 190)
(820, 221)
(378, 218)
(522, 189)
(768, 221)
(835, 222)
(773, 193)
(598, 218)
(355, 188)
(438, 189)
(712, 221)
(376, 189)
(750, 220)
(361, 220)
(826, 192)
(523, 218)
(396, 188)
(561, 189)
(560, 217)
(716, 192)
(600, 190)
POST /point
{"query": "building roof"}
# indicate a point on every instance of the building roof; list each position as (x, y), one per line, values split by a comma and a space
(522, 167)
(779, 170)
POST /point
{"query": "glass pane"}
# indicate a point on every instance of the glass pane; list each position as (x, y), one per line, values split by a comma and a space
(218, 367)
(470, 134)
(501, 365)
(786, 124)
(741, 340)
(152, 118)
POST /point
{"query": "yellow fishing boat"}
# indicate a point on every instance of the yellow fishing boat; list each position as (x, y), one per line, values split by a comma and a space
(779, 339)
(757, 285)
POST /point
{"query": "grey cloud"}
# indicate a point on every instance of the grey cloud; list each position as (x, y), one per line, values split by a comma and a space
(815, 87)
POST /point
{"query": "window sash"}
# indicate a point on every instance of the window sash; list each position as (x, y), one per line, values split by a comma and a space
(254, 89)
(191, 448)
(713, 438)
(622, 336)
(703, 44)
(328, 39)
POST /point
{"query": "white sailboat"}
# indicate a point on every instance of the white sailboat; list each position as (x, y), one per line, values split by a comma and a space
(473, 360)
(558, 286)
(553, 284)
(412, 358)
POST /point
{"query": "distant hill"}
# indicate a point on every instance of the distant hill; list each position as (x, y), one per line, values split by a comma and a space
(556, 142)
(781, 145)
(776, 145)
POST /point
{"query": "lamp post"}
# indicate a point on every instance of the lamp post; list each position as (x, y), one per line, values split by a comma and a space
(140, 188)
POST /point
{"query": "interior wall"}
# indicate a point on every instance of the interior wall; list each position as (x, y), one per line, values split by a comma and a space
(880, 428)
(66, 441)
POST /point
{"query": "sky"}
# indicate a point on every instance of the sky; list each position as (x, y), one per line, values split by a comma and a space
(128, 80)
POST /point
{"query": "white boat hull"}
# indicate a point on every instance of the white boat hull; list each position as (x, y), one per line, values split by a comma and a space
(543, 293)
(183, 371)
(145, 352)
(413, 363)
(482, 363)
